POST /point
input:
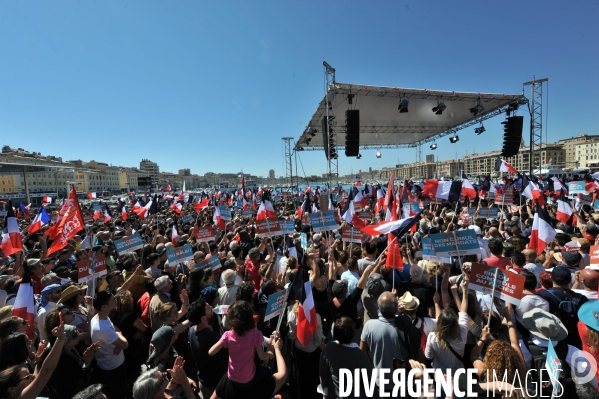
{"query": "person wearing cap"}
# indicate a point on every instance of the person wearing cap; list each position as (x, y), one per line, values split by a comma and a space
(543, 327)
(588, 329)
(64, 259)
(529, 301)
(49, 299)
(375, 286)
(586, 282)
(73, 298)
(425, 324)
(561, 292)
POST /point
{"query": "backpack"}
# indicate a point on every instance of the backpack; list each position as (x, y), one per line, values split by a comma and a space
(539, 363)
(409, 336)
(567, 310)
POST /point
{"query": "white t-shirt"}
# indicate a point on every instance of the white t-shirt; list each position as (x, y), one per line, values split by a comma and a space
(592, 295)
(530, 302)
(103, 331)
(445, 359)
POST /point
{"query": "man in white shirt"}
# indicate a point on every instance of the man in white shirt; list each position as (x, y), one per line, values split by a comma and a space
(110, 357)
(586, 283)
(50, 297)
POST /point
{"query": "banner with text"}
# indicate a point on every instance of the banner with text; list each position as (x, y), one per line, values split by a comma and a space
(429, 254)
(487, 213)
(204, 234)
(287, 226)
(351, 234)
(463, 242)
(179, 255)
(213, 263)
(268, 228)
(323, 221)
(277, 303)
(129, 244)
(509, 286)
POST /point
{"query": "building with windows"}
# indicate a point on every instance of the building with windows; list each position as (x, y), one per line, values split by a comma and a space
(151, 168)
(570, 144)
(587, 154)
(10, 183)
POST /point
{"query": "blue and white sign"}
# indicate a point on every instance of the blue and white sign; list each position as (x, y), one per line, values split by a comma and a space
(179, 255)
(575, 188)
(287, 226)
(412, 206)
(187, 219)
(304, 240)
(129, 244)
(596, 205)
(277, 303)
(554, 367)
(225, 213)
(213, 263)
(323, 221)
(488, 213)
(454, 243)
(429, 254)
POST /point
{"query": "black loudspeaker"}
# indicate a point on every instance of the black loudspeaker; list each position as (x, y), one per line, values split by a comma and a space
(325, 136)
(352, 132)
(512, 135)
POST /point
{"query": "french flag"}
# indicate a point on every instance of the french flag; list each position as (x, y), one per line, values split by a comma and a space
(91, 195)
(25, 209)
(177, 207)
(11, 235)
(304, 208)
(542, 232)
(46, 200)
(24, 302)
(349, 213)
(331, 205)
(123, 212)
(137, 205)
(447, 190)
(502, 166)
(168, 187)
(97, 214)
(380, 200)
(107, 216)
(358, 182)
(218, 220)
(564, 210)
(266, 211)
(41, 218)
(175, 235)
(202, 205)
(301, 290)
(467, 188)
(397, 227)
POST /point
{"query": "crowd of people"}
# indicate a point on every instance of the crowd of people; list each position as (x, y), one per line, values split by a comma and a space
(150, 329)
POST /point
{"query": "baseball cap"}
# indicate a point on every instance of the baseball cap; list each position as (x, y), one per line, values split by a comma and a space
(561, 275)
(376, 285)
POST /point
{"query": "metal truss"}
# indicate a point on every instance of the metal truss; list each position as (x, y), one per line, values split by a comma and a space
(536, 122)
(415, 129)
(288, 160)
(330, 90)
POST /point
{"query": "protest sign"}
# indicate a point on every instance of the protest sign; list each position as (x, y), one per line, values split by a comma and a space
(505, 198)
(444, 244)
(187, 219)
(277, 303)
(575, 188)
(351, 234)
(429, 254)
(594, 254)
(204, 234)
(365, 215)
(413, 207)
(323, 221)
(554, 368)
(435, 200)
(509, 286)
(129, 244)
(225, 213)
(94, 266)
(306, 220)
(596, 206)
(488, 213)
(179, 255)
(246, 213)
(585, 199)
(304, 240)
(287, 226)
(268, 227)
(212, 262)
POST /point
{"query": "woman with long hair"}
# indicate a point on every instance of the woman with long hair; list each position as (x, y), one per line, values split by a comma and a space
(154, 384)
(194, 284)
(12, 324)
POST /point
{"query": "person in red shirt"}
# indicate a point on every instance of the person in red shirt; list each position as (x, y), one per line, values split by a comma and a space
(496, 259)
(37, 272)
(252, 268)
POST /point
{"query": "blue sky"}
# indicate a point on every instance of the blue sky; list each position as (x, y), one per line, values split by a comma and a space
(214, 85)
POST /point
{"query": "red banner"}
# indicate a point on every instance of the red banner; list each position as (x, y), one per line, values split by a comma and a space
(70, 224)
(86, 266)
(204, 234)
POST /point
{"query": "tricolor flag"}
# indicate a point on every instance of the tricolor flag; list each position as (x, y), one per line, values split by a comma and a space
(91, 195)
(331, 205)
(380, 200)
(168, 187)
(542, 232)
(358, 181)
(41, 218)
(266, 211)
(123, 212)
(107, 216)
(304, 208)
(11, 235)
(467, 188)
(175, 235)
(24, 302)
(397, 227)
(564, 210)
(448, 190)
(218, 221)
(349, 212)
(46, 200)
(25, 209)
(177, 207)
(202, 205)
(502, 166)
(143, 212)
(137, 205)
(301, 291)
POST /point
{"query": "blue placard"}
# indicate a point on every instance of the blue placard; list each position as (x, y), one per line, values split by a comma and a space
(488, 213)
(277, 303)
(444, 244)
(129, 244)
(554, 367)
(225, 213)
(323, 221)
(246, 213)
(576, 187)
(187, 219)
(596, 205)
(179, 254)
(97, 206)
(429, 254)
(412, 206)
(212, 262)
(287, 226)
(304, 240)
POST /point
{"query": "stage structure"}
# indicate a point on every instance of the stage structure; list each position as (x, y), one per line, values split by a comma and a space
(394, 117)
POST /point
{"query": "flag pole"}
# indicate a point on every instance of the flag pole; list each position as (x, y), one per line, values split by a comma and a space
(457, 249)
(492, 296)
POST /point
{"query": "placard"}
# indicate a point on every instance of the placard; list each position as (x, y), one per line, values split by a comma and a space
(87, 267)
(444, 244)
(596, 206)
(187, 219)
(179, 255)
(246, 213)
(287, 226)
(509, 286)
(365, 215)
(351, 234)
(212, 262)
(324, 221)
(204, 234)
(487, 213)
(225, 213)
(129, 244)
(594, 254)
(585, 199)
(575, 188)
(506, 198)
(268, 228)
(277, 303)
(413, 207)
(554, 368)
(429, 254)
(304, 240)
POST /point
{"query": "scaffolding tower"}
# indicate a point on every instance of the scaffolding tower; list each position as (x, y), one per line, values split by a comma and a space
(536, 123)
(330, 91)
(288, 161)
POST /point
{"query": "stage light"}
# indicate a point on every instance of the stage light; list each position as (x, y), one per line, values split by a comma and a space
(476, 109)
(350, 98)
(480, 129)
(403, 106)
(378, 154)
(300, 148)
(434, 146)
(454, 139)
(359, 156)
(439, 108)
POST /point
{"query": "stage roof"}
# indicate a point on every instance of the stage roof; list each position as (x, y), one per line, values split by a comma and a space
(382, 126)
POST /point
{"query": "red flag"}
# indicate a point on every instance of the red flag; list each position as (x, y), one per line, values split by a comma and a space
(218, 221)
(266, 211)
(70, 224)
(123, 212)
(11, 235)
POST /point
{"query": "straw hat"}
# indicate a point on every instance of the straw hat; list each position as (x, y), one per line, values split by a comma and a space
(409, 301)
(70, 292)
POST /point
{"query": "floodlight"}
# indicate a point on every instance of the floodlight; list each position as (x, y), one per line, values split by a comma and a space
(476, 109)
(454, 139)
(480, 129)
(378, 154)
(434, 146)
(403, 106)
(439, 108)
